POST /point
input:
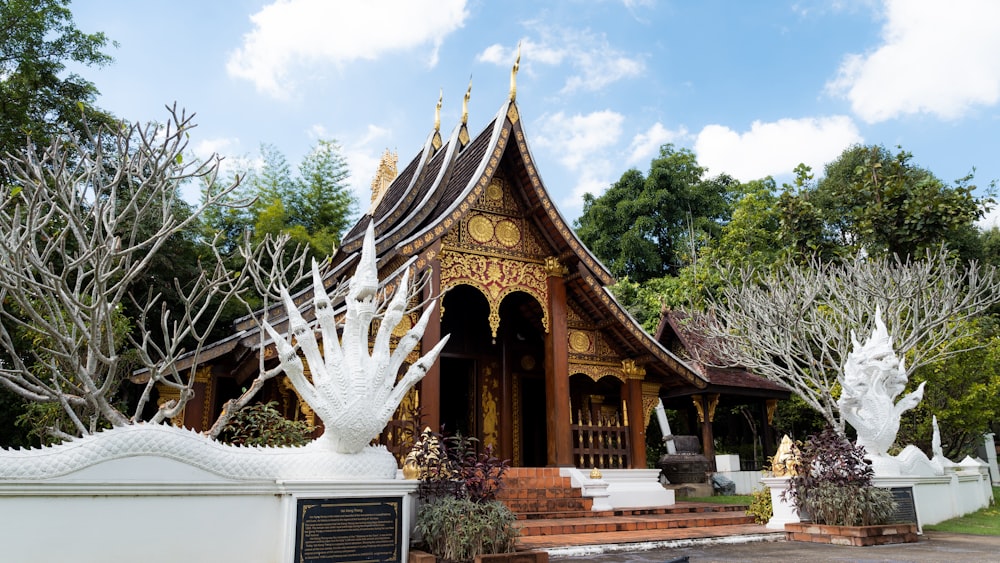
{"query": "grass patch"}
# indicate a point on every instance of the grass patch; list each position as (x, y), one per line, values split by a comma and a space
(983, 522)
(721, 499)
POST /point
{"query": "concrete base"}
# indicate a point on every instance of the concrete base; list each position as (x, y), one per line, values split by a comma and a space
(621, 488)
(784, 510)
(155, 509)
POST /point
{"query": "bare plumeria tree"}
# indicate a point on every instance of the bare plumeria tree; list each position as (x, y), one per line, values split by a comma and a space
(80, 222)
(794, 324)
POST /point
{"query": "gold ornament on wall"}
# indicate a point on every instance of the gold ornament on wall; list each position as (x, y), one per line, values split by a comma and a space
(580, 341)
(480, 229)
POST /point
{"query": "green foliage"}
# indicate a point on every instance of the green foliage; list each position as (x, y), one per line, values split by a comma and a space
(963, 391)
(262, 425)
(37, 40)
(451, 466)
(760, 506)
(313, 207)
(460, 516)
(873, 199)
(834, 484)
(795, 418)
(645, 227)
(751, 236)
(459, 529)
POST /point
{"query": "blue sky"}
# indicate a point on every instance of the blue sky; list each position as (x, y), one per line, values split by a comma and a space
(754, 88)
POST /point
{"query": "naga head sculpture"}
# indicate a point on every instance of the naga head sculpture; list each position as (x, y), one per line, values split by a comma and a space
(354, 391)
(872, 379)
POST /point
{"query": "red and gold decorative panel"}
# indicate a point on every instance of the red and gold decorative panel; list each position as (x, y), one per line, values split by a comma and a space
(496, 277)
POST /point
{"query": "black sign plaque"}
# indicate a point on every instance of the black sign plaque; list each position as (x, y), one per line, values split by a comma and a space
(349, 530)
(906, 509)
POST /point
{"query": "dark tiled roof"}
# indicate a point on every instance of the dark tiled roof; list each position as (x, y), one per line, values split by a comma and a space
(672, 329)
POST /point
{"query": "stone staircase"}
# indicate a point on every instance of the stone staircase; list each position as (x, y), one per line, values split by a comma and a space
(553, 514)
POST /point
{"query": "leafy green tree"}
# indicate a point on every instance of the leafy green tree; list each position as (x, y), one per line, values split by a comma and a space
(963, 392)
(313, 207)
(38, 98)
(644, 227)
(881, 202)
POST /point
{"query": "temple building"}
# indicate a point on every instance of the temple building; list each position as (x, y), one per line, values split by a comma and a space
(543, 363)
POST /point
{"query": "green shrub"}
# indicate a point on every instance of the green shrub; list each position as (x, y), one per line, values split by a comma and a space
(760, 507)
(458, 529)
(834, 484)
(263, 425)
(460, 517)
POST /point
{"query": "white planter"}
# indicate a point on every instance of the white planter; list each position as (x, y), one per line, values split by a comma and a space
(727, 462)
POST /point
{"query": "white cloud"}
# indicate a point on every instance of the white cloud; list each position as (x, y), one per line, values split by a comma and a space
(594, 61)
(583, 144)
(990, 220)
(290, 35)
(494, 54)
(940, 58)
(205, 148)
(771, 149)
(646, 145)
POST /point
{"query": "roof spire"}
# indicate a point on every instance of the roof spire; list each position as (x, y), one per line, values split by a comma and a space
(465, 103)
(437, 111)
(513, 73)
(384, 175)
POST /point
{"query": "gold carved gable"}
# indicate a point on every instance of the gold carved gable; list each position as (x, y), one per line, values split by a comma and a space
(496, 277)
(496, 250)
(496, 224)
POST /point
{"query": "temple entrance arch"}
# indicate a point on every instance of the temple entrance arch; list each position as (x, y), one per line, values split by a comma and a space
(493, 387)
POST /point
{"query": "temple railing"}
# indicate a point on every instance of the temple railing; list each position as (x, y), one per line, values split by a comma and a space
(600, 442)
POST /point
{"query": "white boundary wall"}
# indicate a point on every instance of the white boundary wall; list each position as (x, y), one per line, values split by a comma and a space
(155, 509)
(938, 498)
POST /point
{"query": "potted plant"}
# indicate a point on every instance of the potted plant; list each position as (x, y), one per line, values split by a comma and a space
(459, 518)
(835, 498)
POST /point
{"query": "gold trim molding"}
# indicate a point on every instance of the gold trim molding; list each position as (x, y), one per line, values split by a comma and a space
(496, 278)
(596, 371)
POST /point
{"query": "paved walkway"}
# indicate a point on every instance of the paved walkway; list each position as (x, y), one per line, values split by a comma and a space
(934, 547)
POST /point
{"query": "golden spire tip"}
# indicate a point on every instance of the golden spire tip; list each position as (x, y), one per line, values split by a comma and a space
(465, 103)
(513, 73)
(437, 111)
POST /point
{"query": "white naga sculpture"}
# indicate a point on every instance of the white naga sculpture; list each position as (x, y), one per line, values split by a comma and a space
(873, 377)
(353, 391)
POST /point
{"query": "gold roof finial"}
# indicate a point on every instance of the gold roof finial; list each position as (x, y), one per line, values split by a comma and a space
(513, 73)
(437, 111)
(465, 103)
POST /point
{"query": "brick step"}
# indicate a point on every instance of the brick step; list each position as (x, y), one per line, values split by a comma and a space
(544, 479)
(549, 505)
(679, 508)
(644, 536)
(514, 492)
(601, 524)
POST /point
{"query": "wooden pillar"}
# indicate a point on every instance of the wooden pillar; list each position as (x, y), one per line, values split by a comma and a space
(430, 385)
(557, 421)
(705, 405)
(636, 423)
(769, 442)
